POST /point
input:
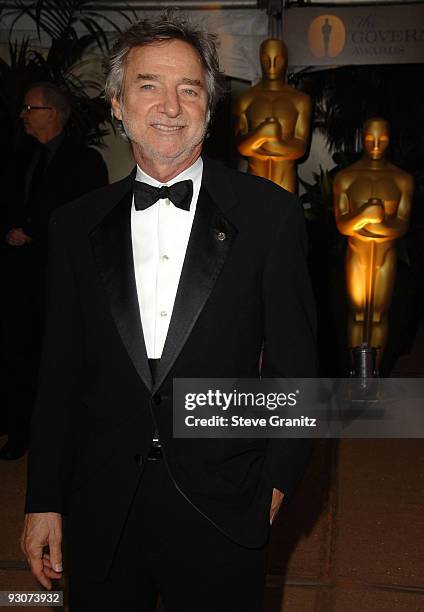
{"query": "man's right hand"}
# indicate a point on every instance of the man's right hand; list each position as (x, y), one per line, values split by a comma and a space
(43, 529)
(17, 237)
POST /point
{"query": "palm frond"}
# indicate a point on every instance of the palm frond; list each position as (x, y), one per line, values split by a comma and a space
(73, 29)
(97, 33)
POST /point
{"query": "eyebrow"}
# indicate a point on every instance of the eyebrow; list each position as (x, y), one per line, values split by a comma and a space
(147, 77)
(194, 82)
(156, 77)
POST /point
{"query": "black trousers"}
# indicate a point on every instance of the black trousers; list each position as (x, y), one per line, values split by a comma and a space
(168, 547)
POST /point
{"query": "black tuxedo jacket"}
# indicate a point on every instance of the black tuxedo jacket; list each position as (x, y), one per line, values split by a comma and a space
(97, 407)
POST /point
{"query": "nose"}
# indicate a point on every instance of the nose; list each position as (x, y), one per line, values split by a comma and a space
(170, 103)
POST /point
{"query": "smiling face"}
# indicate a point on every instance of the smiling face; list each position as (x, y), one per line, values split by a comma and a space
(273, 55)
(164, 104)
(376, 138)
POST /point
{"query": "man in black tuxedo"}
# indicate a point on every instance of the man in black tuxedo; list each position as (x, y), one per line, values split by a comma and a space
(186, 271)
(54, 170)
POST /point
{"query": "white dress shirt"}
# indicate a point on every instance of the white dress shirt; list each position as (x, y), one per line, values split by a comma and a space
(160, 236)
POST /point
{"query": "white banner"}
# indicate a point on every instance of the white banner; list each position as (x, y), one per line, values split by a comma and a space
(329, 36)
(240, 33)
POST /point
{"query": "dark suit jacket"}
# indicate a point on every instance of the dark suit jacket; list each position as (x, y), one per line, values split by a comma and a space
(74, 170)
(97, 407)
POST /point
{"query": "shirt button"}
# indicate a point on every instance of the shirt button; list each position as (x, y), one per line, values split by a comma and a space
(165, 257)
(163, 313)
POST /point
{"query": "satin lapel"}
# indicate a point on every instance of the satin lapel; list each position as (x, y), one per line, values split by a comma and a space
(112, 247)
(210, 241)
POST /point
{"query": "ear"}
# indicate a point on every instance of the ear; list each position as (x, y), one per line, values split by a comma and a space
(54, 115)
(116, 108)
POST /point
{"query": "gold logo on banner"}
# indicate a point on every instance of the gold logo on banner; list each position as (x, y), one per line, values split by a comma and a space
(326, 36)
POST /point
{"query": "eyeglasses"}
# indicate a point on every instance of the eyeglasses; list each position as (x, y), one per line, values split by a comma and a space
(27, 108)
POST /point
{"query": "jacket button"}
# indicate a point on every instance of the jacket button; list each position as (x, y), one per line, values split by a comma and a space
(138, 459)
(157, 399)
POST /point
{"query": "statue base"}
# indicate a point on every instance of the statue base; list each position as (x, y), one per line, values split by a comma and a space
(364, 359)
(363, 390)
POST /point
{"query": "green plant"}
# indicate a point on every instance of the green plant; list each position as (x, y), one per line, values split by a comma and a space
(317, 201)
(72, 31)
(317, 198)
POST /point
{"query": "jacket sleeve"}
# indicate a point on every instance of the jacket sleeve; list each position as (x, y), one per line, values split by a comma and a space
(58, 398)
(290, 334)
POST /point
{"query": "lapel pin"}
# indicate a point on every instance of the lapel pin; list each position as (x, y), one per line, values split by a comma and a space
(221, 236)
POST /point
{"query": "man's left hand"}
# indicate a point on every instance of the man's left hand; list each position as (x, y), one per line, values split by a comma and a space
(277, 498)
(17, 237)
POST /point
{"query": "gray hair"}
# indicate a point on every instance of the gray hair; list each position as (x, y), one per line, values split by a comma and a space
(166, 27)
(54, 96)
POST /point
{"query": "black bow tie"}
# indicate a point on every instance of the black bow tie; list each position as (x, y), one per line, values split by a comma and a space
(146, 195)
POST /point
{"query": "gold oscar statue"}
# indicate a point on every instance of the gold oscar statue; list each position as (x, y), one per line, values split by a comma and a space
(372, 203)
(273, 120)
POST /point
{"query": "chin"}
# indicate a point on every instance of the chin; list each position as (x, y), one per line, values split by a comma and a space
(171, 151)
(172, 154)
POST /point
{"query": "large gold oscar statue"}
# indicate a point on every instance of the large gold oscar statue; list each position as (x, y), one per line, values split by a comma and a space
(273, 120)
(372, 203)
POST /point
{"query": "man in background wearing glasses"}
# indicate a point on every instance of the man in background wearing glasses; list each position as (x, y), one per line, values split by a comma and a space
(57, 170)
